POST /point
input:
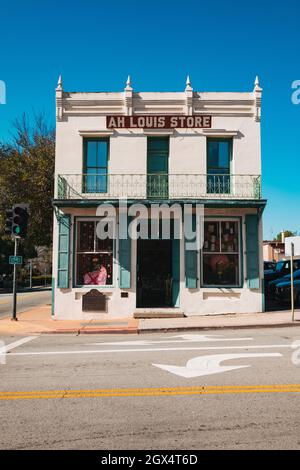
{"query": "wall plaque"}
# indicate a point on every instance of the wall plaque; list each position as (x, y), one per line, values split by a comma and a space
(94, 301)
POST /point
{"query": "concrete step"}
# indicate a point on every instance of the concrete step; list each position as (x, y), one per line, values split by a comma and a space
(158, 313)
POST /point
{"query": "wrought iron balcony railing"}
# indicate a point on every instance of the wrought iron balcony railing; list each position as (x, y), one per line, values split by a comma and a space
(158, 186)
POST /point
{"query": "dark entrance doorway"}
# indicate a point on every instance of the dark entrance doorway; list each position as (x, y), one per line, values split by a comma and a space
(155, 273)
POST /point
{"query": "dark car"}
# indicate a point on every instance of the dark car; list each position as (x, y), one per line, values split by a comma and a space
(282, 269)
(283, 292)
(273, 284)
(269, 265)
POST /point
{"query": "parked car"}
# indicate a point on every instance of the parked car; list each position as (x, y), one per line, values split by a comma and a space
(269, 265)
(283, 292)
(282, 269)
(273, 284)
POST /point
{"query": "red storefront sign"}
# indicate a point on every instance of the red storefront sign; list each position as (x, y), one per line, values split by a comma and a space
(158, 122)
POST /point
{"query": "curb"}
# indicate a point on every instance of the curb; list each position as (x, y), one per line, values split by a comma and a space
(101, 331)
(90, 331)
(207, 328)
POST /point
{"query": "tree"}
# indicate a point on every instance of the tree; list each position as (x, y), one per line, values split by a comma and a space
(27, 175)
(287, 233)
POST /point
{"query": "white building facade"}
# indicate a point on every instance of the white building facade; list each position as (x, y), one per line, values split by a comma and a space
(184, 148)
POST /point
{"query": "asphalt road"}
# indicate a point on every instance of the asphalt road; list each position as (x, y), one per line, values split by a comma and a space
(25, 301)
(152, 391)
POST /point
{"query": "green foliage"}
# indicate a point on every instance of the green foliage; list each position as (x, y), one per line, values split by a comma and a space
(27, 175)
(287, 233)
(6, 249)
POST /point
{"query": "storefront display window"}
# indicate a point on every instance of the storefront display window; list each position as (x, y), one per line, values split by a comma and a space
(220, 254)
(94, 257)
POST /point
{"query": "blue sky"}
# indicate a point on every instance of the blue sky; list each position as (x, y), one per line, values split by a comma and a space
(222, 45)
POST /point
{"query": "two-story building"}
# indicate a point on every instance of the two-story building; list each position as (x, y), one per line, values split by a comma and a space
(184, 148)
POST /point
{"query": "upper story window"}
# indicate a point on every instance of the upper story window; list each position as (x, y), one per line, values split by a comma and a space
(157, 166)
(95, 167)
(219, 153)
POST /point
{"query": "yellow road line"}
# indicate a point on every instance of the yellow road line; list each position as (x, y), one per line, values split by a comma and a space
(148, 392)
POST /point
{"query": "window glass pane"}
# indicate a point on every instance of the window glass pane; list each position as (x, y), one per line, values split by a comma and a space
(91, 157)
(218, 158)
(85, 236)
(224, 155)
(94, 182)
(213, 154)
(102, 154)
(158, 144)
(158, 163)
(220, 269)
(94, 269)
(105, 246)
(211, 237)
(90, 184)
(101, 181)
(229, 237)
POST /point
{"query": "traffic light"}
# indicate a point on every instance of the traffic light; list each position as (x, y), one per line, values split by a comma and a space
(20, 220)
(8, 222)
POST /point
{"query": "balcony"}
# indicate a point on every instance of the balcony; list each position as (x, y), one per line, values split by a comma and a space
(158, 186)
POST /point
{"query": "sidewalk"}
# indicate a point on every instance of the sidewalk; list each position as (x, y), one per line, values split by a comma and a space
(39, 321)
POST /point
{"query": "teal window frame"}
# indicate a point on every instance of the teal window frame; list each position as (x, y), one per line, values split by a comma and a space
(158, 181)
(75, 236)
(220, 219)
(219, 182)
(96, 181)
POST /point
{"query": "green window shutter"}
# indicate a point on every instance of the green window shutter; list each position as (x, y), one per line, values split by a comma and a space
(64, 225)
(191, 269)
(191, 263)
(125, 263)
(252, 249)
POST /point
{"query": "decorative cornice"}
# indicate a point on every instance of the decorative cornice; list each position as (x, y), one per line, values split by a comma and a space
(129, 103)
(96, 133)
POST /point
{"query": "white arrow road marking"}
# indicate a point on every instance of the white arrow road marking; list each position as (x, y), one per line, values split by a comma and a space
(18, 343)
(5, 348)
(208, 365)
(195, 337)
(184, 339)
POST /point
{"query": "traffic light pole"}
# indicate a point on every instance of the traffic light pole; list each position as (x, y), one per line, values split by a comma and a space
(14, 310)
(292, 281)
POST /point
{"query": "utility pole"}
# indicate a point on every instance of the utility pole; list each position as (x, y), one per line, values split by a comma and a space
(14, 310)
(292, 281)
(16, 225)
(30, 274)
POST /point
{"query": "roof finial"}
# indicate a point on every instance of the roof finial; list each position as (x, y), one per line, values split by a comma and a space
(128, 83)
(188, 83)
(257, 84)
(59, 83)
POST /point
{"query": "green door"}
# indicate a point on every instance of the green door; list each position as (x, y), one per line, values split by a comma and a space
(157, 167)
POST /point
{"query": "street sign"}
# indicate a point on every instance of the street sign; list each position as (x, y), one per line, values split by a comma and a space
(15, 260)
(288, 246)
